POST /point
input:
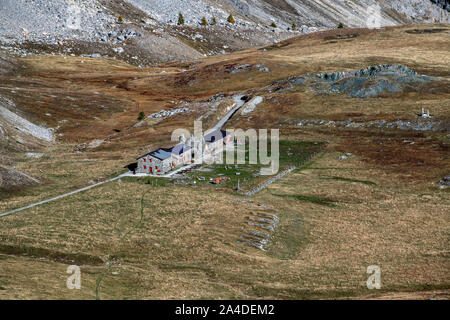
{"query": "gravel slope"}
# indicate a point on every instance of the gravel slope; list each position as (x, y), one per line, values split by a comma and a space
(49, 21)
(317, 13)
(21, 124)
(147, 31)
(90, 20)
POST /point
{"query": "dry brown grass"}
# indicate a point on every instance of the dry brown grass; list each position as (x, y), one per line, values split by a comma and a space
(186, 246)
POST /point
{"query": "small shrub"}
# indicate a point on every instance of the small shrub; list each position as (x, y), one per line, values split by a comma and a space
(120, 20)
(340, 25)
(180, 19)
(213, 21)
(294, 27)
(204, 22)
(231, 19)
(141, 116)
(273, 25)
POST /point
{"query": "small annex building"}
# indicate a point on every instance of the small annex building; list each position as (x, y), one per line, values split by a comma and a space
(181, 154)
(215, 140)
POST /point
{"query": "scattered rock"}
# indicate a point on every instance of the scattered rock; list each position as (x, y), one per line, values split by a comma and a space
(34, 155)
(363, 83)
(95, 143)
(417, 125)
(251, 105)
(167, 113)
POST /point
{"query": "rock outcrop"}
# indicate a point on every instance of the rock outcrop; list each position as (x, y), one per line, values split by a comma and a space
(368, 82)
(10, 178)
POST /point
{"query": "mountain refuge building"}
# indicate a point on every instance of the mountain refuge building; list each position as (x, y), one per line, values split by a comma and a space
(164, 160)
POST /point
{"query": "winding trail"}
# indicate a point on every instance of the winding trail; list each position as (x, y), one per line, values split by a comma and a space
(238, 104)
(61, 196)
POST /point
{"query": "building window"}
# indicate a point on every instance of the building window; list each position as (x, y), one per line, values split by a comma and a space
(144, 159)
(145, 167)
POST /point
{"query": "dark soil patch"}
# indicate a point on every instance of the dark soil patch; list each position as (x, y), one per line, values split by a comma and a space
(316, 200)
(276, 46)
(341, 37)
(370, 183)
(423, 31)
(62, 257)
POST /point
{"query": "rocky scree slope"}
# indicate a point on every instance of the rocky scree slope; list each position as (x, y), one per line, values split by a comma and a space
(146, 31)
(309, 13)
(444, 4)
(117, 28)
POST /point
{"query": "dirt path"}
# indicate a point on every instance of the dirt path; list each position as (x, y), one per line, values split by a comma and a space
(239, 103)
(60, 196)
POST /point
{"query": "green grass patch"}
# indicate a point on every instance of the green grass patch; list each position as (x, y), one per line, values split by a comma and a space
(153, 181)
(291, 153)
(316, 200)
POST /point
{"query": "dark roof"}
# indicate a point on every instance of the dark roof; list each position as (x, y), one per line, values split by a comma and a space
(160, 154)
(215, 135)
(179, 149)
(164, 153)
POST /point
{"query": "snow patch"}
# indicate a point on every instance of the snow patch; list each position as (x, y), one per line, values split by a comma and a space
(252, 104)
